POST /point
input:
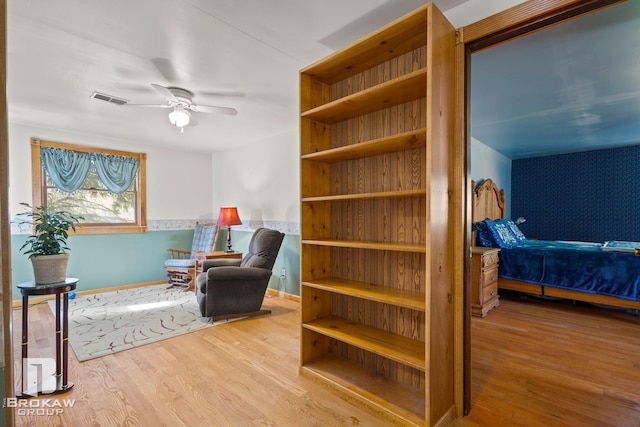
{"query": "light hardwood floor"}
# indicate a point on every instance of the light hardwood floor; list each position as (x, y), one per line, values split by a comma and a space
(534, 364)
(540, 363)
(242, 373)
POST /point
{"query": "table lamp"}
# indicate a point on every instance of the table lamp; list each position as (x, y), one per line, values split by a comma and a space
(228, 216)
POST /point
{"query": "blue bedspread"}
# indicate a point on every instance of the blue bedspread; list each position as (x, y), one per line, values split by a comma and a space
(578, 266)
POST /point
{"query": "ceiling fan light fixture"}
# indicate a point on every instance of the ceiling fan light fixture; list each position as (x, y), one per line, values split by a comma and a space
(178, 117)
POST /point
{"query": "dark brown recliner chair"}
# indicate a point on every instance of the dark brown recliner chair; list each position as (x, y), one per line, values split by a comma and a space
(235, 288)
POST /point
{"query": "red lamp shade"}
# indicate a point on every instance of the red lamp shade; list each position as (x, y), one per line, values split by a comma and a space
(228, 217)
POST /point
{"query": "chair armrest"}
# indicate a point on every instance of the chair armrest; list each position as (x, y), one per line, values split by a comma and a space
(237, 273)
(201, 256)
(220, 262)
(179, 253)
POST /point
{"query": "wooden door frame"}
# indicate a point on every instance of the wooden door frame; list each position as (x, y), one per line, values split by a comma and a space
(525, 18)
(5, 232)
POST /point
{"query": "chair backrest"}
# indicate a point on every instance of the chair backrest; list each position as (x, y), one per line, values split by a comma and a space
(263, 249)
(204, 238)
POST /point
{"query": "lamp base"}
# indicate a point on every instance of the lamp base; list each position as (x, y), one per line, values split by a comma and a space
(229, 250)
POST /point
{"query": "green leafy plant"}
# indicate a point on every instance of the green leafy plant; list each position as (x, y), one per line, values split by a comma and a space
(51, 230)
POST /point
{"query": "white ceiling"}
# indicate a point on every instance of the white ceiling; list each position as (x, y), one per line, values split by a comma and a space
(575, 86)
(60, 52)
(571, 87)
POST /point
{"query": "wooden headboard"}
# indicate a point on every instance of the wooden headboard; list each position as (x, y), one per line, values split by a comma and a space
(487, 201)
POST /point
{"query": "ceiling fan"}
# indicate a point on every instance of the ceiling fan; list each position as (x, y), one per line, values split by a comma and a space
(180, 100)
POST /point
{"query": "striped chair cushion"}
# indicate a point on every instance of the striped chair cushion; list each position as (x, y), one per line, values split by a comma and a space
(180, 263)
(203, 237)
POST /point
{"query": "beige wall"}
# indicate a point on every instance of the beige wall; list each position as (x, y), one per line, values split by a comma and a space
(261, 179)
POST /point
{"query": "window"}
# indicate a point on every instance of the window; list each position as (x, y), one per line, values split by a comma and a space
(122, 210)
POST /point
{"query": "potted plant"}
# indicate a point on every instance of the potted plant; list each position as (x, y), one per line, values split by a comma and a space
(47, 246)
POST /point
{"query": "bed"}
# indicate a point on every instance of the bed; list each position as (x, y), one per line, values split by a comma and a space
(605, 273)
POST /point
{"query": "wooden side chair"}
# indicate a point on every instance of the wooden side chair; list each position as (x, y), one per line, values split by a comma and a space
(184, 265)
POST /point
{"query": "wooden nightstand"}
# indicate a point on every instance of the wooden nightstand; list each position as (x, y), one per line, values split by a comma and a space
(484, 280)
(222, 254)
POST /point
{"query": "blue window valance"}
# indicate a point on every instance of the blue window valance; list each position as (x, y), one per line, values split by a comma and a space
(68, 169)
(116, 172)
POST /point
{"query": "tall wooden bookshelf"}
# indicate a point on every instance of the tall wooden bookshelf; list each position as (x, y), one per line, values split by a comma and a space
(376, 295)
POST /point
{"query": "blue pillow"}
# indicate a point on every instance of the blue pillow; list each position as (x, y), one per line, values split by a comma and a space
(483, 237)
(515, 230)
(501, 233)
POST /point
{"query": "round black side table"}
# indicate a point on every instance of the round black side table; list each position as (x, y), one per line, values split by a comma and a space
(62, 331)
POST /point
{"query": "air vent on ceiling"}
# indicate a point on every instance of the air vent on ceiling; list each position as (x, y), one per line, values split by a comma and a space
(108, 98)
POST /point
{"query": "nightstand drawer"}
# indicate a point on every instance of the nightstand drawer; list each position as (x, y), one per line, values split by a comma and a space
(490, 291)
(489, 277)
(490, 260)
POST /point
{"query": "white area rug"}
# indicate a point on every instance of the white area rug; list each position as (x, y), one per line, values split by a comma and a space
(109, 322)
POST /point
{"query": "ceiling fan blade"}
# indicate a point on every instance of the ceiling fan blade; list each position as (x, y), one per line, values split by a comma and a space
(165, 92)
(212, 109)
(146, 105)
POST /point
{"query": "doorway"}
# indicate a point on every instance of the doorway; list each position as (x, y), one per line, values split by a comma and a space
(514, 23)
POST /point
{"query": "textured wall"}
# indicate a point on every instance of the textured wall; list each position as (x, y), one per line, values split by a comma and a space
(589, 196)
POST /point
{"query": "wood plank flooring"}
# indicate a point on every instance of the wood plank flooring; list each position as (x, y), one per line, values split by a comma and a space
(534, 364)
(243, 373)
(541, 363)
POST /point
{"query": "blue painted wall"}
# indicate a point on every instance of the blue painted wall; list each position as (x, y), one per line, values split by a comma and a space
(588, 196)
(106, 260)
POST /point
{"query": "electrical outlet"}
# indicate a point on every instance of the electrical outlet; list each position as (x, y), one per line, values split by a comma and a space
(283, 274)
